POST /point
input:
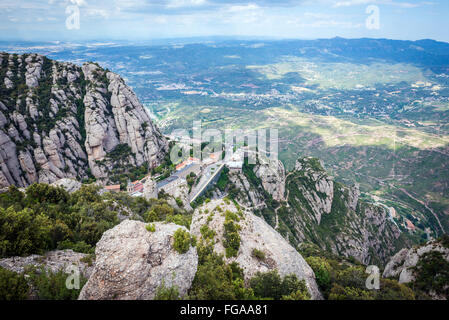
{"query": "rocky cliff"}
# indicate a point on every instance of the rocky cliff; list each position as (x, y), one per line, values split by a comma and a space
(325, 212)
(213, 219)
(59, 120)
(307, 205)
(259, 184)
(272, 176)
(424, 267)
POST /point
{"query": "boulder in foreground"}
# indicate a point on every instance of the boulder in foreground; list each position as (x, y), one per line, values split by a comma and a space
(132, 263)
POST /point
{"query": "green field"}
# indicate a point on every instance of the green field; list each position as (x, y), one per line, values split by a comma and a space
(342, 75)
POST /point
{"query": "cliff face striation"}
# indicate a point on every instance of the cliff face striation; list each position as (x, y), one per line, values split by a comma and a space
(332, 215)
(59, 120)
(307, 205)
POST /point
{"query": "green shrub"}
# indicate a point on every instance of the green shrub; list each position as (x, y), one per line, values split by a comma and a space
(88, 259)
(267, 285)
(231, 216)
(432, 273)
(231, 240)
(164, 293)
(294, 289)
(159, 212)
(49, 218)
(207, 233)
(339, 279)
(87, 194)
(258, 254)
(353, 276)
(40, 192)
(302, 294)
(79, 246)
(270, 285)
(151, 227)
(13, 286)
(393, 290)
(12, 197)
(180, 219)
(52, 286)
(179, 202)
(350, 293)
(216, 280)
(181, 241)
(23, 232)
(223, 181)
(322, 270)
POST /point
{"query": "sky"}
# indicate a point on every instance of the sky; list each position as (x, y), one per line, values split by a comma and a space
(76, 20)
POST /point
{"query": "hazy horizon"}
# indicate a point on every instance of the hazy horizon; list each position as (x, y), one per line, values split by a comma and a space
(190, 40)
(147, 20)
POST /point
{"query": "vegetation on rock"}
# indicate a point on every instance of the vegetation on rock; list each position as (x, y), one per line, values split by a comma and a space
(270, 285)
(182, 241)
(13, 286)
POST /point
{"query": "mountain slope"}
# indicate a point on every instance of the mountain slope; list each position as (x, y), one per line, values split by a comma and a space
(59, 120)
(316, 209)
(333, 216)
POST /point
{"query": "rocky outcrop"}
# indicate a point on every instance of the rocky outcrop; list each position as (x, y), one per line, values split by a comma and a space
(402, 264)
(426, 264)
(149, 188)
(318, 188)
(312, 207)
(248, 195)
(353, 197)
(52, 260)
(123, 212)
(70, 185)
(69, 122)
(254, 233)
(182, 193)
(132, 263)
(396, 264)
(331, 215)
(272, 175)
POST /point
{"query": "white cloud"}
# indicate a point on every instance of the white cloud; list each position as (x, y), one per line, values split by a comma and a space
(78, 3)
(97, 12)
(349, 3)
(146, 18)
(248, 7)
(185, 3)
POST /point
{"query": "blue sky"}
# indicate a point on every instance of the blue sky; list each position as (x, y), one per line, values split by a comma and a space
(150, 19)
